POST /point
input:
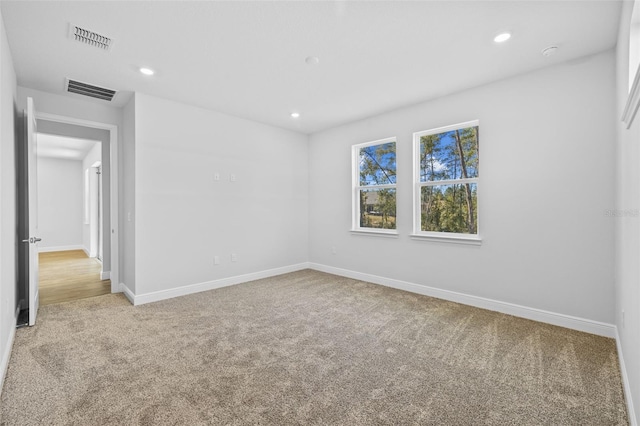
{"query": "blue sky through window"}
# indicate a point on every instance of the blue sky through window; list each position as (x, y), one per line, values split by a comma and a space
(378, 164)
(440, 155)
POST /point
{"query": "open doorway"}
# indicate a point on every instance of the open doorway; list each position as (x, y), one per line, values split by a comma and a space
(65, 126)
(107, 134)
(70, 218)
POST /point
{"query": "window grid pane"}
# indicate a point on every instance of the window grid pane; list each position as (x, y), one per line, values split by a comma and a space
(449, 155)
(449, 208)
(377, 208)
(377, 164)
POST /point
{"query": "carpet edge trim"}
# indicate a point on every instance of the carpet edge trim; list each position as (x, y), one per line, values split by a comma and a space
(156, 296)
(6, 356)
(561, 320)
(631, 414)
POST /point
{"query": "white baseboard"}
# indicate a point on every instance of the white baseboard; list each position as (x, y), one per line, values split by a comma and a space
(128, 293)
(6, 355)
(567, 321)
(59, 248)
(105, 275)
(155, 296)
(625, 383)
(86, 251)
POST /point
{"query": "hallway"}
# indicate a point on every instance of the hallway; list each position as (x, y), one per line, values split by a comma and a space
(70, 275)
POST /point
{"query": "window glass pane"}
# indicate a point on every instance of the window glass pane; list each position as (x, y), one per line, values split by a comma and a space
(450, 208)
(449, 155)
(378, 208)
(378, 164)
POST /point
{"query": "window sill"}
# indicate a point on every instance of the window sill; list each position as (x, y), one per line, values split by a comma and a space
(454, 239)
(386, 233)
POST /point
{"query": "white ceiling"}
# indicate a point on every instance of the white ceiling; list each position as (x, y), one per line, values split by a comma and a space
(54, 146)
(248, 58)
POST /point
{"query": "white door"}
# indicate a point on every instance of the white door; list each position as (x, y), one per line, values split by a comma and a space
(32, 186)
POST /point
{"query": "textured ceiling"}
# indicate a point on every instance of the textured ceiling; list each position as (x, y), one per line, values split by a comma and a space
(248, 58)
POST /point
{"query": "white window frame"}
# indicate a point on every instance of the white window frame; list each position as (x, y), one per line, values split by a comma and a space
(633, 100)
(451, 237)
(356, 188)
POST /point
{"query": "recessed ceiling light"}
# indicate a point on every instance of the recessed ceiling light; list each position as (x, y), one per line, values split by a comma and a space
(501, 38)
(147, 71)
(312, 60)
(549, 51)
(295, 115)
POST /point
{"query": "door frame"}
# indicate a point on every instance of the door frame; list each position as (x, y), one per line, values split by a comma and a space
(114, 273)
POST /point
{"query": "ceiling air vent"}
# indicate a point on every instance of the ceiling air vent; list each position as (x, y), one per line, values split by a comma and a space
(74, 86)
(89, 37)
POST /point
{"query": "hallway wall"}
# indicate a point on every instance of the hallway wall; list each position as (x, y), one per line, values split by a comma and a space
(60, 204)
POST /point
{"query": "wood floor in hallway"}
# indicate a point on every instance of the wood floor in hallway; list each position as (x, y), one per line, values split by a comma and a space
(70, 275)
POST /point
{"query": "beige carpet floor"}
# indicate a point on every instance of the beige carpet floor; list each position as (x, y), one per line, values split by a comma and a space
(305, 348)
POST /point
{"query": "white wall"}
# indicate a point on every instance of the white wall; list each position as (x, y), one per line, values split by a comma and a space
(70, 106)
(547, 155)
(60, 203)
(628, 226)
(183, 218)
(90, 230)
(8, 242)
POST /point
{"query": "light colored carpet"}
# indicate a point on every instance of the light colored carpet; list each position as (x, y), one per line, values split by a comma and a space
(305, 348)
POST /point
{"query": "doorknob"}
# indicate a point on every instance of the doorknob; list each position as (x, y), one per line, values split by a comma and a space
(32, 240)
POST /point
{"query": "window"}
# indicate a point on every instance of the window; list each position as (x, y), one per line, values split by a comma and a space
(374, 186)
(633, 100)
(446, 182)
(634, 44)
